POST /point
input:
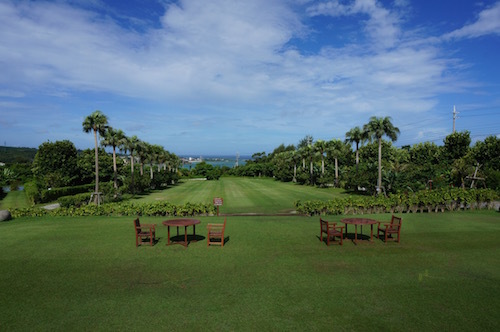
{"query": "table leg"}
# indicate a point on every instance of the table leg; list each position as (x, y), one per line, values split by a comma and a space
(356, 234)
(168, 238)
(371, 234)
(185, 236)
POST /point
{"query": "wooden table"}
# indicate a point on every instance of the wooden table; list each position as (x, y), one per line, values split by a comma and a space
(356, 222)
(181, 223)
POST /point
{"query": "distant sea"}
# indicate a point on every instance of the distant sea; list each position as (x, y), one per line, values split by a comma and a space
(214, 160)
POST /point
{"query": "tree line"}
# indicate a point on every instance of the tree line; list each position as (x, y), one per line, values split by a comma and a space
(59, 164)
(365, 161)
(368, 163)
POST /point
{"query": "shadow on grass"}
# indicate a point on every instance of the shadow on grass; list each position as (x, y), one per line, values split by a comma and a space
(147, 243)
(179, 239)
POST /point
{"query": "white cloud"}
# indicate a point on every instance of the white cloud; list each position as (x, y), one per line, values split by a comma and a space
(488, 22)
(225, 63)
(381, 25)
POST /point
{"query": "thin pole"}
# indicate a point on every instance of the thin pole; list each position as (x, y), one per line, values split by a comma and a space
(454, 117)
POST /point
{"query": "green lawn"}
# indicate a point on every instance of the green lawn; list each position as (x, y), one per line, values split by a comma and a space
(243, 195)
(14, 199)
(85, 274)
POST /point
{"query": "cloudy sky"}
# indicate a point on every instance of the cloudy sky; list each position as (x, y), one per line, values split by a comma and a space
(225, 76)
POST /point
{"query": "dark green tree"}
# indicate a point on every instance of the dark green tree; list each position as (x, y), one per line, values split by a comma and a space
(456, 146)
(55, 164)
(86, 165)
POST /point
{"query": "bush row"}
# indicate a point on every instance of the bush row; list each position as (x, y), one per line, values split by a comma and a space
(421, 201)
(54, 193)
(121, 209)
(74, 200)
(37, 195)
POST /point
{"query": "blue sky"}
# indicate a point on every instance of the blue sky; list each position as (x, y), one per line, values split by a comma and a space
(225, 76)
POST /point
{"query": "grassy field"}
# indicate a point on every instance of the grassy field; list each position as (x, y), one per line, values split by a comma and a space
(243, 195)
(14, 199)
(85, 274)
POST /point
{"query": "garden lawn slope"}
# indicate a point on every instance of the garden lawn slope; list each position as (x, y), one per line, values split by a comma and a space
(243, 195)
(85, 274)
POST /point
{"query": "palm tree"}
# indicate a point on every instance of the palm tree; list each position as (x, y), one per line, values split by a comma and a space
(131, 145)
(295, 160)
(154, 156)
(114, 138)
(334, 149)
(96, 122)
(376, 128)
(162, 159)
(320, 148)
(356, 135)
(142, 151)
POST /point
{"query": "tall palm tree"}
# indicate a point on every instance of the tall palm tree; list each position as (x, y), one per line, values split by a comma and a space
(320, 148)
(154, 157)
(96, 122)
(334, 149)
(376, 128)
(114, 138)
(142, 150)
(131, 145)
(356, 135)
(295, 160)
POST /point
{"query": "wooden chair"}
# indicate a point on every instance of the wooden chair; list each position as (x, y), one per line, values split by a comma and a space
(144, 231)
(331, 230)
(387, 229)
(216, 234)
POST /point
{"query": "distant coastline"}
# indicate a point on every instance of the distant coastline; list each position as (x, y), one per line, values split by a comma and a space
(214, 160)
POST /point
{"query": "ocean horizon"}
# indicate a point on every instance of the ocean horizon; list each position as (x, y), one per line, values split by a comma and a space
(214, 160)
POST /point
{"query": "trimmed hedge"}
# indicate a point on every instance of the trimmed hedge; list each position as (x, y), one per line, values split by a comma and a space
(74, 200)
(422, 201)
(54, 193)
(32, 192)
(121, 209)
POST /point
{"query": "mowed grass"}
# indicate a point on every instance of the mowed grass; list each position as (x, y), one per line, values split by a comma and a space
(243, 195)
(85, 274)
(14, 199)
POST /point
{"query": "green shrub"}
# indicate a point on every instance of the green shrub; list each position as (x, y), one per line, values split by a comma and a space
(75, 200)
(54, 193)
(424, 200)
(32, 192)
(120, 209)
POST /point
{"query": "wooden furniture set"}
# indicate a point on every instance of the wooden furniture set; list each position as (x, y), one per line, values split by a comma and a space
(215, 232)
(148, 232)
(386, 229)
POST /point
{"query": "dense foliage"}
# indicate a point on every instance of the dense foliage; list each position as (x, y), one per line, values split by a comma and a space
(364, 164)
(55, 164)
(12, 155)
(422, 201)
(120, 209)
(410, 168)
